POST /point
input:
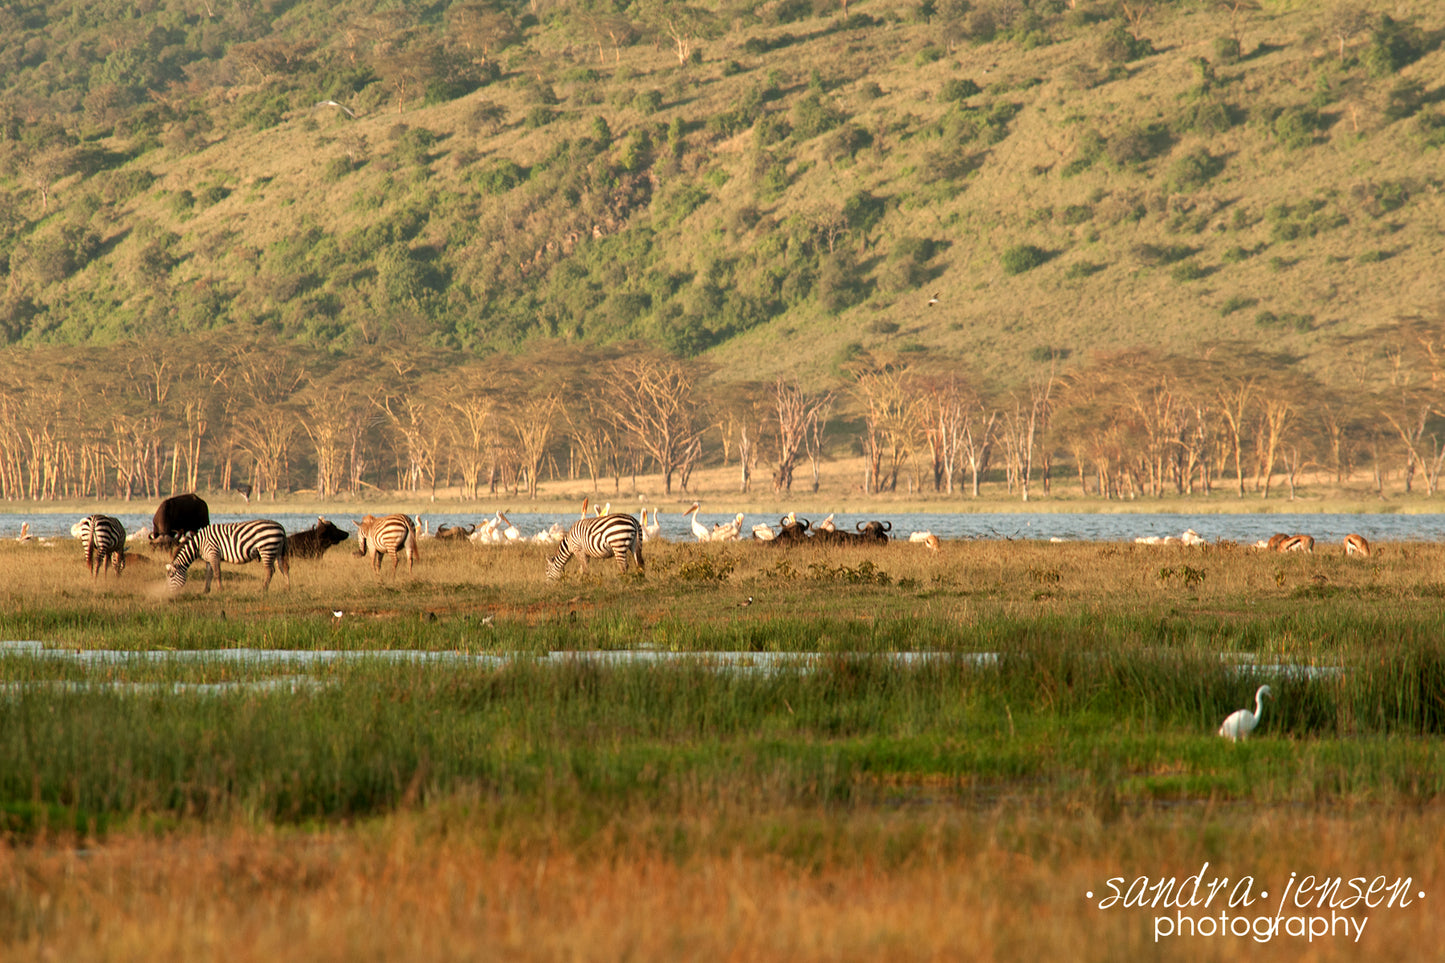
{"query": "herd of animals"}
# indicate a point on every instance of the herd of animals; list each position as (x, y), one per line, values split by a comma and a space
(182, 525)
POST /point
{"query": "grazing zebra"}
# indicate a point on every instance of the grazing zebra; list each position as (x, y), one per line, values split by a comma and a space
(102, 536)
(235, 542)
(617, 535)
(388, 534)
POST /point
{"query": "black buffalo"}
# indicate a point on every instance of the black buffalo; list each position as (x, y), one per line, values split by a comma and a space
(793, 532)
(314, 541)
(178, 515)
(874, 531)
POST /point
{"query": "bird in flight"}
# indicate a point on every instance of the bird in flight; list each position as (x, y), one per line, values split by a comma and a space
(332, 103)
(933, 300)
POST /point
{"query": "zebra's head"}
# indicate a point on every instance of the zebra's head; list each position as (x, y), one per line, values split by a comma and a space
(176, 575)
(555, 566)
(181, 560)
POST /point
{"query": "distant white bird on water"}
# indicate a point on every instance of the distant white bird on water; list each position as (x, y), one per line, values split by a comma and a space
(1242, 722)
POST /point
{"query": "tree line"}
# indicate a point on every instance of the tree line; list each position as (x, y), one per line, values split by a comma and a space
(146, 420)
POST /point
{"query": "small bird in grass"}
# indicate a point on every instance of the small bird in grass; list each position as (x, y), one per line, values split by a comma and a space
(1242, 722)
(487, 620)
(745, 604)
(337, 613)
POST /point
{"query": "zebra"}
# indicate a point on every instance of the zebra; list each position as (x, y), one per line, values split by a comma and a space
(235, 542)
(388, 534)
(617, 535)
(102, 536)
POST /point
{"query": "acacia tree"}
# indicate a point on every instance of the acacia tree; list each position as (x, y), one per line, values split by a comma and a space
(470, 406)
(797, 414)
(683, 24)
(530, 414)
(330, 416)
(651, 397)
(945, 403)
(890, 420)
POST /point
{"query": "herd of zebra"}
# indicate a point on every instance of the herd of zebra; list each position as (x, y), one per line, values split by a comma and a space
(103, 540)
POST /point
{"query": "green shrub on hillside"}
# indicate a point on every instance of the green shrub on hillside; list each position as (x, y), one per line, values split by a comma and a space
(1136, 144)
(1395, 45)
(1021, 258)
(1209, 116)
(1293, 222)
(847, 141)
(1194, 170)
(1428, 130)
(499, 176)
(1188, 271)
(840, 284)
(812, 115)
(1236, 302)
(958, 89)
(122, 185)
(1118, 46)
(1156, 255)
(1295, 127)
(1226, 50)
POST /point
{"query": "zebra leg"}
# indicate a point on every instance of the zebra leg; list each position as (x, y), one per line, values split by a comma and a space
(209, 572)
(268, 567)
(119, 562)
(284, 563)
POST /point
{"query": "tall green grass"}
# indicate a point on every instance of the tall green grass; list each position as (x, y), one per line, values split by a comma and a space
(1055, 721)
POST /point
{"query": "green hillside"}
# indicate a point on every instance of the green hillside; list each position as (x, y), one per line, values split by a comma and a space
(776, 185)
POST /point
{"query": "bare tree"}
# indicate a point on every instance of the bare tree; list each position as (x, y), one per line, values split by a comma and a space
(651, 398)
(797, 413)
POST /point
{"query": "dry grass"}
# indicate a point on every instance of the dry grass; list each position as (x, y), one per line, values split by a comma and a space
(988, 886)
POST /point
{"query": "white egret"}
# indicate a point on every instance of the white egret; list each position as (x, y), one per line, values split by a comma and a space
(1242, 722)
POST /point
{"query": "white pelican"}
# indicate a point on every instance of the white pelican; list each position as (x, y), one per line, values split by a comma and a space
(486, 533)
(698, 528)
(826, 525)
(652, 529)
(764, 533)
(511, 533)
(729, 531)
(1242, 722)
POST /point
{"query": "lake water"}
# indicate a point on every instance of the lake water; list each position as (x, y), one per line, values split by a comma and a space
(1105, 527)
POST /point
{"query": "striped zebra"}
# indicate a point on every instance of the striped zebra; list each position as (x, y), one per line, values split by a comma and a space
(391, 534)
(616, 535)
(235, 542)
(102, 536)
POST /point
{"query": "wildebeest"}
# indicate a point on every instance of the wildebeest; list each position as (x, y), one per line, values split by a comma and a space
(314, 541)
(178, 515)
